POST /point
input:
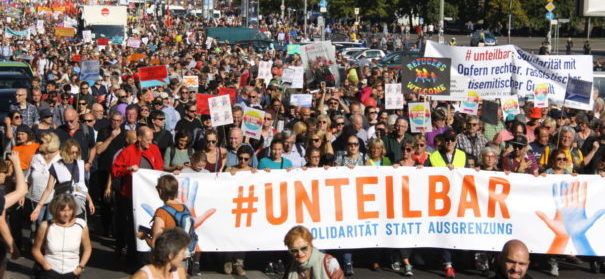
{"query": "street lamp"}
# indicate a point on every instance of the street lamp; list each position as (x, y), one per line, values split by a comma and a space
(510, 17)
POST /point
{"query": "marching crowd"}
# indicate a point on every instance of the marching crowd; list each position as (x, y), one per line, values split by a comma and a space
(71, 145)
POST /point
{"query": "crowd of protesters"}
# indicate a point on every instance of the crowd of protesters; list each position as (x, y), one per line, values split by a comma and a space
(76, 143)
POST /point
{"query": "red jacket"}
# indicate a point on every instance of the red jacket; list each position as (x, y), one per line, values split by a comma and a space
(131, 155)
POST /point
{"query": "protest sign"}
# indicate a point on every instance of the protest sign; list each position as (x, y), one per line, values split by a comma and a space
(117, 40)
(136, 57)
(191, 82)
(578, 94)
(393, 96)
(497, 71)
(471, 104)
(287, 75)
(220, 110)
(420, 117)
(323, 52)
(90, 70)
(87, 36)
(153, 76)
(264, 71)
(201, 101)
(297, 77)
(252, 122)
(232, 92)
(16, 33)
(301, 100)
(65, 32)
(134, 42)
(458, 89)
(541, 95)
(102, 41)
(510, 106)
(487, 112)
(383, 207)
(293, 49)
(426, 76)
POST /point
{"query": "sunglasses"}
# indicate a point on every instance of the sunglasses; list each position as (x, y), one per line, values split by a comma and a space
(332, 103)
(161, 119)
(561, 159)
(211, 141)
(192, 110)
(450, 140)
(373, 112)
(17, 117)
(243, 158)
(473, 124)
(294, 251)
(408, 149)
(316, 140)
(82, 104)
(353, 143)
(340, 124)
(88, 120)
(517, 146)
(268, 119)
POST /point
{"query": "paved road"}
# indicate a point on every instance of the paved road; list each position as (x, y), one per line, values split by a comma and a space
(103, 266)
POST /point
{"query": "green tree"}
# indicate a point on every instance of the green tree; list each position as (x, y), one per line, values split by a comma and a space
(498, 10)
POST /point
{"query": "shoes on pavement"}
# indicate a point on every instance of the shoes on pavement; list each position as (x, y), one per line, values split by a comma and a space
(349, 269)
(228, 267)
(280, 268)
(408, 270)
(270, 269)
(239, 269)
(396, 266)
(194, 269)
(450, 272)
(594, 266)
(554, 267)
(375, 267)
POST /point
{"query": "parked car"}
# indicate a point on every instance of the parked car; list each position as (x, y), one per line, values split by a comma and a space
(368, 54)
(483, 36)
(348, 52)
(394, 60)
(14, 66)
(9, 83)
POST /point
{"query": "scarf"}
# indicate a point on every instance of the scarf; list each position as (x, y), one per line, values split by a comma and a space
(315, 264)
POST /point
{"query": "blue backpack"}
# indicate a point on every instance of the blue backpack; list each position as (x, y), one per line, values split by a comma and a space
(184, 220)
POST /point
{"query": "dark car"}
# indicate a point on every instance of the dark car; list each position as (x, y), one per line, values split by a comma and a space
(14, 66)
(393, 60)
(9, 83)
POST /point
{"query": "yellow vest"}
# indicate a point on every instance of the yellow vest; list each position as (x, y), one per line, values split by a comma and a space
(459, 159)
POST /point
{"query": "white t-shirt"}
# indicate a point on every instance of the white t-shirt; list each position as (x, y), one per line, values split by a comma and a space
(62, 246)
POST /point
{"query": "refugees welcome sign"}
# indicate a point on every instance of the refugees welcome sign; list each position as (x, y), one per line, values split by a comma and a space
(387, 207)
(497, 71)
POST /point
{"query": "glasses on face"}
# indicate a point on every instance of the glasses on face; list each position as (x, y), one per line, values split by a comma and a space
(85, 88)
(245, 159)
(333, 103)
(268, 119)
(450, 140)
(88, 120)
(316, 139)
(518, 146)
(17, 117)
(373, 112)
(420, 145)
(144, 109)
(82, 104)
(340, 124)
(474, 124)
(211, 141)
(561, 159)
(192, 111)
(353, 143)
(161, 119)
(294, 251)
(116, 120)
(407, 149)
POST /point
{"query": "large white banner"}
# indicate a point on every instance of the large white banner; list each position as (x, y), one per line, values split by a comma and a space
(387, 207)
(508, 70)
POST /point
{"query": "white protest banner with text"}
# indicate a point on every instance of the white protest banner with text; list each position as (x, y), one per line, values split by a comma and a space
(371, 207)
(499, 71)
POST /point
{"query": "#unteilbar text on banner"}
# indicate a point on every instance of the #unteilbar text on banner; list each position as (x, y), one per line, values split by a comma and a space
(498, 71)
(374, 207)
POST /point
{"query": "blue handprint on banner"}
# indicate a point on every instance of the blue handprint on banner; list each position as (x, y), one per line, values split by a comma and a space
(187, 195)
(570, 219)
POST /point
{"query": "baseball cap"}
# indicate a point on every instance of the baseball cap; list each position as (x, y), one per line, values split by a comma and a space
(45, 113)
(519, 140)
(449, 134)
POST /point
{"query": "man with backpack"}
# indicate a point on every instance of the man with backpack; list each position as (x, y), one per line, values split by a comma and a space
(172, 214)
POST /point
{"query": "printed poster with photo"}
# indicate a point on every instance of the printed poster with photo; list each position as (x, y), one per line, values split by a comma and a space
(220, 110)
(541, 92)
(252, 122)
(420, 117)
(510, 106)
(470, 106)
(393, 96)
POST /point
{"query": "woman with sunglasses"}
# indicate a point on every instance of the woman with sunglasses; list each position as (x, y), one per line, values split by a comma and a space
(216, 156)
(83, 107)
(267, 132)
(244, 155)
(407, 151)
(352, 156)
(144, 112)
(9, 129)
(558, 163)
(308, 261)
(318, 139)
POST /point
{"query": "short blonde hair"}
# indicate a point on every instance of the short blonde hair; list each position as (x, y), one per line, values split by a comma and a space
(66, 150)
(52, 142)
(377, 143)
(299, 128)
